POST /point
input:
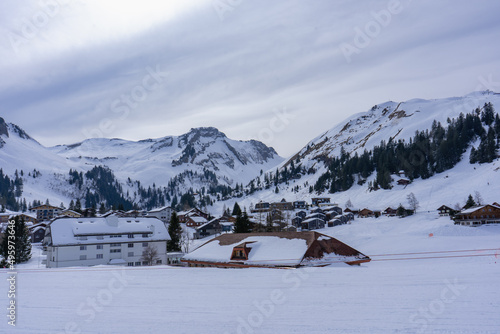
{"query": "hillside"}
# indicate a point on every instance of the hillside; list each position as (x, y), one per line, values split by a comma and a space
(439, 175)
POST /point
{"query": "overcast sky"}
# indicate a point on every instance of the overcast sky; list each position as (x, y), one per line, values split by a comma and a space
(279, 71)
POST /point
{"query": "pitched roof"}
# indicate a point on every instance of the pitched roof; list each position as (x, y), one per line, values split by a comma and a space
(274, 249)
(75, 231)
(160, 209)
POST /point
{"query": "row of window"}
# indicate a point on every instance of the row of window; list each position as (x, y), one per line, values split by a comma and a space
(130, 245)
(100, 256)
(138, 263)
(130, 236)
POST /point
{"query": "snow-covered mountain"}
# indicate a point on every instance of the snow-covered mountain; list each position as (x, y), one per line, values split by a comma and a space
(158, 160)
(205, 156)
(150, 161)
(391, 120)
(386, 121)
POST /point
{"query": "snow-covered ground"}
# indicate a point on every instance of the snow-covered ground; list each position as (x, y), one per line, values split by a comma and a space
(446, 293)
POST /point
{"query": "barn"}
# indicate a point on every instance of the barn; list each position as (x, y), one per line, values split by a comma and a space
(273, 250)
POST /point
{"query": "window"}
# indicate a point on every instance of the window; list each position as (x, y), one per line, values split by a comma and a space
(145, 263)
(99, 256)
(158, 261)
(130, 245)
(115, 236)
(144, 244)
(115, 250)
(116, 245)
(130, 264)
(100, 237)
(83, 257)
(138, 263)
(130, 254)
(144, 235)
(131, 236)
(99, 246)
(83, 247)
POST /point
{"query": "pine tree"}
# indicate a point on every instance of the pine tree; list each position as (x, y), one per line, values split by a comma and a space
(236, 209)
(102, 209)
(470, 202)
(22, 241)
(78, 206)
(242, 224)
(488, 114)
(175, 232)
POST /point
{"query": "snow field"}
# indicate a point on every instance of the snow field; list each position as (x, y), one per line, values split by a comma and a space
(439, 295)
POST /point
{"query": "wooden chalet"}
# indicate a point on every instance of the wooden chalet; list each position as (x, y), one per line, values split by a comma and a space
(195, 221)
(390, 212)
(282, 205)
(445, 211)
(479, 215)
(313, 223)
(210, 228)
(365, 213)
(316, 201)
(403, 182)
(353, 211)
(262, 207)
(195, 212)
(273, 250)
(300, 205)
(70, 213)
(335, 222)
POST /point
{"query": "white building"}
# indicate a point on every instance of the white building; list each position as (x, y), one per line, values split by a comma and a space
(110, 240)
(164, 214)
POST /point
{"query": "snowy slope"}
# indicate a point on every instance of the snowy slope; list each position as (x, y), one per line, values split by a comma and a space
(397, 120)
(440, 294)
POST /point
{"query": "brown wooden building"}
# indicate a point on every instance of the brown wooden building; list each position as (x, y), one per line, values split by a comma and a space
(273, 250)
(485, 214)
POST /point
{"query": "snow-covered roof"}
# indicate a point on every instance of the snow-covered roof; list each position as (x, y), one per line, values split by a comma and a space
(311, 220)
(272, 249)
(73, 231)
(197, 219)
(476, 208)
(207, 223)
(266, 250)
(160, 209)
